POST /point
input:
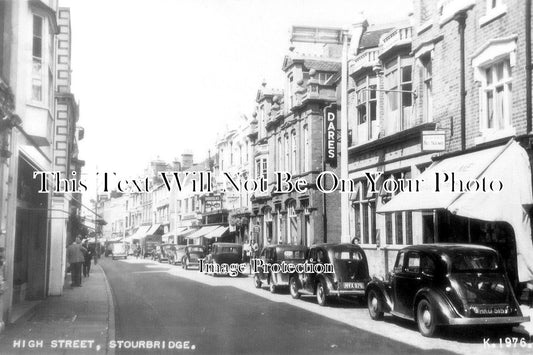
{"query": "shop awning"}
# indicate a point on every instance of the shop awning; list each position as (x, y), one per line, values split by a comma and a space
(434, 192)
(201, 232)
(153, 229)
(185, 231)
(507, 164)
(141, 232)
(217, 233)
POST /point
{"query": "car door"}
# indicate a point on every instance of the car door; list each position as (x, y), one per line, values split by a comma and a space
(308, 278)
(407, 283)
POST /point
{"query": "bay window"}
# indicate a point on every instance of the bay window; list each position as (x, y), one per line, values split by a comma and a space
(366, 106)
(399, 99)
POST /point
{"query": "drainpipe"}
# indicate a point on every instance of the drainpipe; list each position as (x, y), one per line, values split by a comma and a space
(528, 66)
(461, 21)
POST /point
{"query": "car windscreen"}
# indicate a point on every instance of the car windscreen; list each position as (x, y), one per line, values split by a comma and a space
(293, 254)
(195, 250)
(474, 261)
(230, 250)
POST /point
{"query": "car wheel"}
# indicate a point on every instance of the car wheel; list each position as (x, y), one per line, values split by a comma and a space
(293, 286)
(272, 288)
(257, 281)
(425, 318)
(375, 307)
(321, 294)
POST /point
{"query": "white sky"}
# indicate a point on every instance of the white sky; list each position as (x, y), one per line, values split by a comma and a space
(156, 77)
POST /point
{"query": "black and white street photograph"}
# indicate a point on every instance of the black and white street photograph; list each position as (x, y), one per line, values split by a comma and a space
(266, 177)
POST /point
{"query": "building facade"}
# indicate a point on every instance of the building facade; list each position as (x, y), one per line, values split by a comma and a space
(411, 106)
(38, 126)
(290, 140)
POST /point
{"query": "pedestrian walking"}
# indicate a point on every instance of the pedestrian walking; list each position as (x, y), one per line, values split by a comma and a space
(76, 258)
(89, 253)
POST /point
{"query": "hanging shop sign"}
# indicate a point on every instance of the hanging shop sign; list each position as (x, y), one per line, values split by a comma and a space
(330, 135)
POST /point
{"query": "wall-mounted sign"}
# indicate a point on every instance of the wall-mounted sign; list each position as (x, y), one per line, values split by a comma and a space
(212, 203)
(433, 141)
(330, 135)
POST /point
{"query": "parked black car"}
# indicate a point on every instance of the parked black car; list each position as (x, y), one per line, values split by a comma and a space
(225, 253)
(349, 277)
(193, 254)
(446, 284)
(277, 254)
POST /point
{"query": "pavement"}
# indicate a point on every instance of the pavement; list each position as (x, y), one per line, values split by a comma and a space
(81, 321)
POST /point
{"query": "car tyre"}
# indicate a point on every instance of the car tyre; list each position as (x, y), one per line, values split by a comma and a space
(293, 286)
(425, 318)
(271, 286)
(375, 305)
(321, 297)
(257, 281)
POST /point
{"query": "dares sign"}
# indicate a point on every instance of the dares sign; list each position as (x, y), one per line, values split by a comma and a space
(330, 134)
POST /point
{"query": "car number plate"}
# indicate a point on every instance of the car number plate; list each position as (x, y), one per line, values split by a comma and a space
(491, 310)
(353, 285)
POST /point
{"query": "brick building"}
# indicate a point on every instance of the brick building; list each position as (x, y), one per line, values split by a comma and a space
(289, 139)
(472, 108)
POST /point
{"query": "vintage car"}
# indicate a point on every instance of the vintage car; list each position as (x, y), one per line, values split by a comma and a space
(276, 254)
(192, 256)
(118, 250)
(165, 253)
(225, 253)
(446, 285)
(179, 253)
(349, 276)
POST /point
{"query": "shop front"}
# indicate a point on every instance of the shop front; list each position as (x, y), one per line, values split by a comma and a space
(482, 196)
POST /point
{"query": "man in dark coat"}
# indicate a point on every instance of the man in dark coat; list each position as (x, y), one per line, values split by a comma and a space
(88, 258)
(76, 258)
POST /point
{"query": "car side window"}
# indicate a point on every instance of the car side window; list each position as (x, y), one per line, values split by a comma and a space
(398, 267)
(427, 265)
(412, 264)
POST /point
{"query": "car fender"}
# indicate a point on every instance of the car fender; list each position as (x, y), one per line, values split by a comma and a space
(327, 281)
(444, 311)
(381, 288)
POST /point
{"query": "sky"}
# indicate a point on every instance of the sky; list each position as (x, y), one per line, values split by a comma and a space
(155, 78)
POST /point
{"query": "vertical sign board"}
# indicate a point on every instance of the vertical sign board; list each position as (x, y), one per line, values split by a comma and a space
(330, 135)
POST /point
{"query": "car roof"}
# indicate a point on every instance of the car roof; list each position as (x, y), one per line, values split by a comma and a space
(446, 248)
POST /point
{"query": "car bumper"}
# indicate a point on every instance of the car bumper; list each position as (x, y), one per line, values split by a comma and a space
(487, 320)
(347, 292)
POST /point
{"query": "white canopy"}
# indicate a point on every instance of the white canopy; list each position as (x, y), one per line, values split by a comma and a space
(508, 164)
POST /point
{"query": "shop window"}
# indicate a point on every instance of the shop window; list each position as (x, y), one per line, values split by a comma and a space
(364, 213)
(398, 225)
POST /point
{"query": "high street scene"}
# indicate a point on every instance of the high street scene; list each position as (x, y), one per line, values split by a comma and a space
(266, 177)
